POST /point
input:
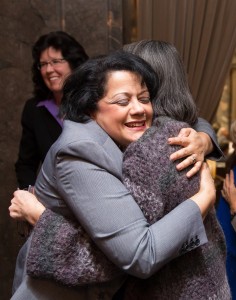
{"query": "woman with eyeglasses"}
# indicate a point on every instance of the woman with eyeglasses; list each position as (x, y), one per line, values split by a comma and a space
(55, 55)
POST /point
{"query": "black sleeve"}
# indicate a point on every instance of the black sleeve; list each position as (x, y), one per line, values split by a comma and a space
(28, 160)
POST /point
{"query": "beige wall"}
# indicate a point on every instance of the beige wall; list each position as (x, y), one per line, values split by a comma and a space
(97, 24)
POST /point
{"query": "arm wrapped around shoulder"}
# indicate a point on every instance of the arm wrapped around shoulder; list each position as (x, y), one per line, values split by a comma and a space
(68, 255)
(151, 177)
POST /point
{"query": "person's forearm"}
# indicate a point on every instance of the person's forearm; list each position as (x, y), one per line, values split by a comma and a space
(121, 230)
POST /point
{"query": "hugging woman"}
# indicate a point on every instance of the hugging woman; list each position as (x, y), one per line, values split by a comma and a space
(107, 106)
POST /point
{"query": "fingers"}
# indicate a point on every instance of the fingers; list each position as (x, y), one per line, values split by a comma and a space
(194, 170)
(192, 152)
(184, 152)
(188, 152)
(184, 132)
(231, 178)
(193, 159)
(13, 211)
(206, 176)
(223, 194)
(15, 208)
(181, 141)
(190, 160)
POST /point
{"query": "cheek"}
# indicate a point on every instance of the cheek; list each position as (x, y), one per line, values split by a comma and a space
(45, 79)
(149, 115)
(67, 71)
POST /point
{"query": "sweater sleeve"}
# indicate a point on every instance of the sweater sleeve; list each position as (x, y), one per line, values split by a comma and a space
(68, 255)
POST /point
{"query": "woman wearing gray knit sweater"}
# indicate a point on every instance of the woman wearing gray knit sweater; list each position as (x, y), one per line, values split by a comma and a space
(201, 273)
(102, 206)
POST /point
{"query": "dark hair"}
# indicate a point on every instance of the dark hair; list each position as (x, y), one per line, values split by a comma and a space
(173, 97)
(87, 84)
(71, 50)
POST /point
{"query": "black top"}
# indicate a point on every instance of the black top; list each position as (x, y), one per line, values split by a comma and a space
(39, 131)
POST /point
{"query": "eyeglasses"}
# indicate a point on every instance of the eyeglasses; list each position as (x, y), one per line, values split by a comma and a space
(55, 63)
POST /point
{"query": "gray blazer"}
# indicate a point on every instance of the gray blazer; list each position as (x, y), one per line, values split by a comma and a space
(82, 174)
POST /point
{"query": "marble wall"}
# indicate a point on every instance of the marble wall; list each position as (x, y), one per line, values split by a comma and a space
(97, 24)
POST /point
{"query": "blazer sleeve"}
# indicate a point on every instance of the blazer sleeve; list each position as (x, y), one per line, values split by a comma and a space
(28, 160)
(104, 207)
(203, 126)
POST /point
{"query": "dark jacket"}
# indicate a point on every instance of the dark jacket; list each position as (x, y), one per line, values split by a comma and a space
(39, 131)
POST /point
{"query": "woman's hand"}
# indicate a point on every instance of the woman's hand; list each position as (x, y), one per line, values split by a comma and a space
(195, 146)
(205, 198)
(25, 207)
(229, 191)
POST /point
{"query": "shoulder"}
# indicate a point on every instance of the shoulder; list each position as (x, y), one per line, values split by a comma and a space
(30, 106)
(168, 126)
(88, 142)
(32, 102)
(90, 132)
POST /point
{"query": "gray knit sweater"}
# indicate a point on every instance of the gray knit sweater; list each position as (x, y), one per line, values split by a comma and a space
(149, 174)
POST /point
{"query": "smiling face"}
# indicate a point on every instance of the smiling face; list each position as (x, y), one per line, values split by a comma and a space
(54, 74)
(125, 112)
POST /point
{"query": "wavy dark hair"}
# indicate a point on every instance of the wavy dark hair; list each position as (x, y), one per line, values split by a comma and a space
(87, 84)
(71, 50)
(173, 97)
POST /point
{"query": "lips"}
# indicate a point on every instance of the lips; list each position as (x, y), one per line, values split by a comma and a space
(136, 124)
(53, 78)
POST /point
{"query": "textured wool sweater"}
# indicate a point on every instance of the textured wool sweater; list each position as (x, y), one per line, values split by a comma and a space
(149, 174)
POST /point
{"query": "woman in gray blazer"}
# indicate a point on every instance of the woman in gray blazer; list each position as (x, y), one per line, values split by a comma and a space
(106, 106)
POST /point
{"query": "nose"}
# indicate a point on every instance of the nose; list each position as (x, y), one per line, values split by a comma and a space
(49, 67)
(137, 107)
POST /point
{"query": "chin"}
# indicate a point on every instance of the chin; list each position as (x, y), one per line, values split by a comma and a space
(135, 138)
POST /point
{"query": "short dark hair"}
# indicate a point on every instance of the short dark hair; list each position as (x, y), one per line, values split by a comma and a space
(71, 50)
(87, 84)
(173, 97)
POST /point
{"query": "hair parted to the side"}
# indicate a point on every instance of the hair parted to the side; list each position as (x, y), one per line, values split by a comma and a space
(173, 97)
(71, 50)
(87, 84)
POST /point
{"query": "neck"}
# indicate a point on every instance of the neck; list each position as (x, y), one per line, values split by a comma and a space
(57, 98)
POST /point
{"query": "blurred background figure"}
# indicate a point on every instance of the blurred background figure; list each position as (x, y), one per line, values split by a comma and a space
(222, 132)
(231, 160)
(55, 55)
(225, 213)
